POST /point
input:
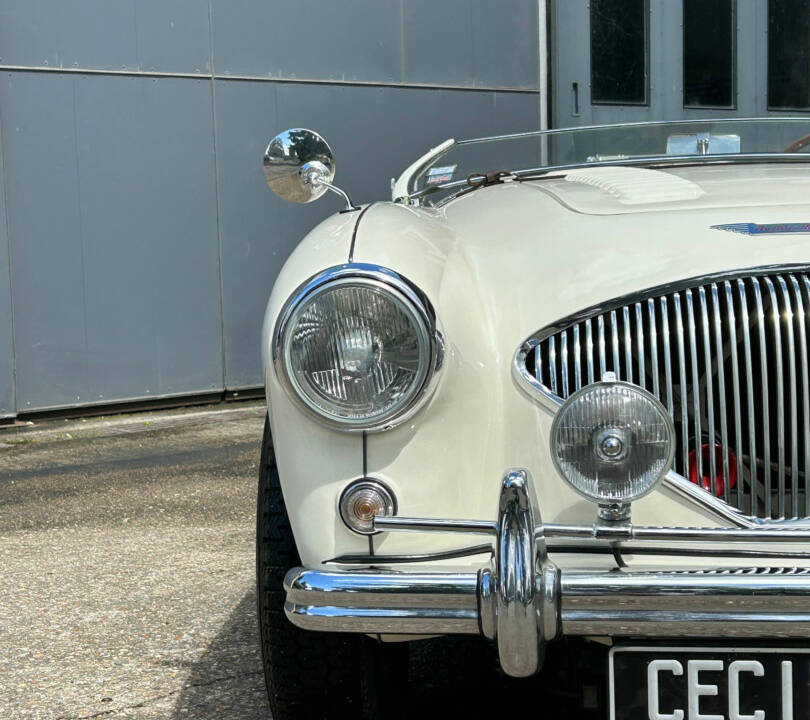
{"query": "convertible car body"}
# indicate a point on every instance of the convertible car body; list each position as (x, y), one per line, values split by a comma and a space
(558, 386)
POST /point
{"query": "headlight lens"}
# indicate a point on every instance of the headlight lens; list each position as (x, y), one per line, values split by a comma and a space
(358, 351)
(613, 442)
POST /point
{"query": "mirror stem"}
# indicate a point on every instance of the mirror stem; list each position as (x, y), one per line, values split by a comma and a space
(350, 206)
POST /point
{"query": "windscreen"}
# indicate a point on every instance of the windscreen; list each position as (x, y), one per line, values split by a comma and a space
(631, 143)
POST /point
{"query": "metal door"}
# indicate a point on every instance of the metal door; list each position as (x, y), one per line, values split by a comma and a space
(629, 60)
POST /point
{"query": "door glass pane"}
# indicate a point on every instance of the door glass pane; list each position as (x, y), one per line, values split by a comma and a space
(708, 53)
(789, 54)
(619, 52)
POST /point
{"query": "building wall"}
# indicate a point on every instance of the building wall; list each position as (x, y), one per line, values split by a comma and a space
(138, 241)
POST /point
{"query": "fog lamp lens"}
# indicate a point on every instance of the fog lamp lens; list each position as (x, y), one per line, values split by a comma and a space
(364, 500)
(612, 442)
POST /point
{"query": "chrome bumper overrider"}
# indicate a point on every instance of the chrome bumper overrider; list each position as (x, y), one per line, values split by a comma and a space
(523, 601)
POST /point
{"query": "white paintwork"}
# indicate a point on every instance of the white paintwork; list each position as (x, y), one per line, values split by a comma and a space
(498, 264)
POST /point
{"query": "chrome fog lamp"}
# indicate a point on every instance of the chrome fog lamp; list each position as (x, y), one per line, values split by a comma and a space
(358, 347)
(612, 442)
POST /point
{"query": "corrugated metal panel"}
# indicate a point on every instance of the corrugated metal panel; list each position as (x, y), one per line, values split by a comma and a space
(167, 36)
(308, 39)
(6, 347)
(121, 286)
(112, 225)
(42, 194)
(466, 42)
(258, 230)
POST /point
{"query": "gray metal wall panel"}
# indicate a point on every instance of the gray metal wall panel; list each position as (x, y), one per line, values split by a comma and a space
(7, 404)
(42, 194)
(468, 42)
(373, 136)
(113, 237)
(311, 39)
(161, 35)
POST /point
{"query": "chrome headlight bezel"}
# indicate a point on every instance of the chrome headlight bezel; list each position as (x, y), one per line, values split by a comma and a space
(403, 291)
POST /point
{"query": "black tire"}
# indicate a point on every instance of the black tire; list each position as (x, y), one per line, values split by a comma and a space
(309, 675)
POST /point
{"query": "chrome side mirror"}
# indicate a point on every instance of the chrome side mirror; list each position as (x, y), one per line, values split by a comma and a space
(299, 167)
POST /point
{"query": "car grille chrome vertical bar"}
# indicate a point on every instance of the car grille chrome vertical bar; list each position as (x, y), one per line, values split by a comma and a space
(792, 392)
(552, 364)
(628, 346)
(690, 314)
(684, 409)
(667, 355)
(805, 392)
(780, 397)
(614, 327)
(763, 367)
(642, 370)
(564, 362)
(653, 348)
(729, 356)
(589, 348)
(735, 393)
(749, 383)
(707, 355)
(721, 388)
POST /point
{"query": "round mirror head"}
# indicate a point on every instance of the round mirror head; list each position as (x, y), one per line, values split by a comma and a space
(297, 163)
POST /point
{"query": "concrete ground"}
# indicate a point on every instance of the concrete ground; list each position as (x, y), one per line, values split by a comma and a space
(127, 577)
(127, 567)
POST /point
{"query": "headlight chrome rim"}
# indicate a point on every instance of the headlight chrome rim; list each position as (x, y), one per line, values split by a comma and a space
(402, 292)
(613, 503)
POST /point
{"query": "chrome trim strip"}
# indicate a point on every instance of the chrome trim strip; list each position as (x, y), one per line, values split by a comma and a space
(628, 345)
(780, 398)
(667, 355)
(763, 368)
(735, 390)
(792, 393)
(676, 300)
(690, 315)
(653, 347)
(797, 294)
(707, 359)
(577, 360)
(564, 361)
(721, 387)
(749, 383)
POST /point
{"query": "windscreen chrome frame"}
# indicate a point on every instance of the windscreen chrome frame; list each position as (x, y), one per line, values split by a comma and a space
(408, 178)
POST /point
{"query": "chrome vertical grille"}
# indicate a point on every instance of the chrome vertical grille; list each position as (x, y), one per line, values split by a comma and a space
(728, 357)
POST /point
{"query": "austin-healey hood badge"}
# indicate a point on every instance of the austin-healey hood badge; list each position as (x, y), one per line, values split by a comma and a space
(765, 229)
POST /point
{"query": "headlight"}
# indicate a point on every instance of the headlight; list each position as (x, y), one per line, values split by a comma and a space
(358, 347)
(613, 442)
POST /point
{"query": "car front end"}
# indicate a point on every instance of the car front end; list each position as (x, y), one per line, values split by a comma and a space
(565, 404)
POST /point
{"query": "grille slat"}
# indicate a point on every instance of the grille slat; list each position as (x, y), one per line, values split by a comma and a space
(721, 388)
(735, 385)
(801, 320)
(653, 346)
(730, 360)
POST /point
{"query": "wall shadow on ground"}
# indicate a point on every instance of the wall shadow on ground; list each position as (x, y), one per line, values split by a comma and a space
(451, 677)
(227, 681)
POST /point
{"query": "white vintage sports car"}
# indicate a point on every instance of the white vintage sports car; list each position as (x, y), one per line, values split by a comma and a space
(555, 393)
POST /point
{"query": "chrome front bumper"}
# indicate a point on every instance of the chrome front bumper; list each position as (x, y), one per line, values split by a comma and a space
(524, 601)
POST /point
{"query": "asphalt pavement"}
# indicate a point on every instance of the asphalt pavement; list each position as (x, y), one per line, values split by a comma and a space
(127, 567)
(127, 583)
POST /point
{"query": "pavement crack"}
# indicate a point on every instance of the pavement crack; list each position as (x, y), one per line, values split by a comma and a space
(149, 701)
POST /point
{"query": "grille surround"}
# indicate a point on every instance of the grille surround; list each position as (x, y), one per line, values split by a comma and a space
(757, 321)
